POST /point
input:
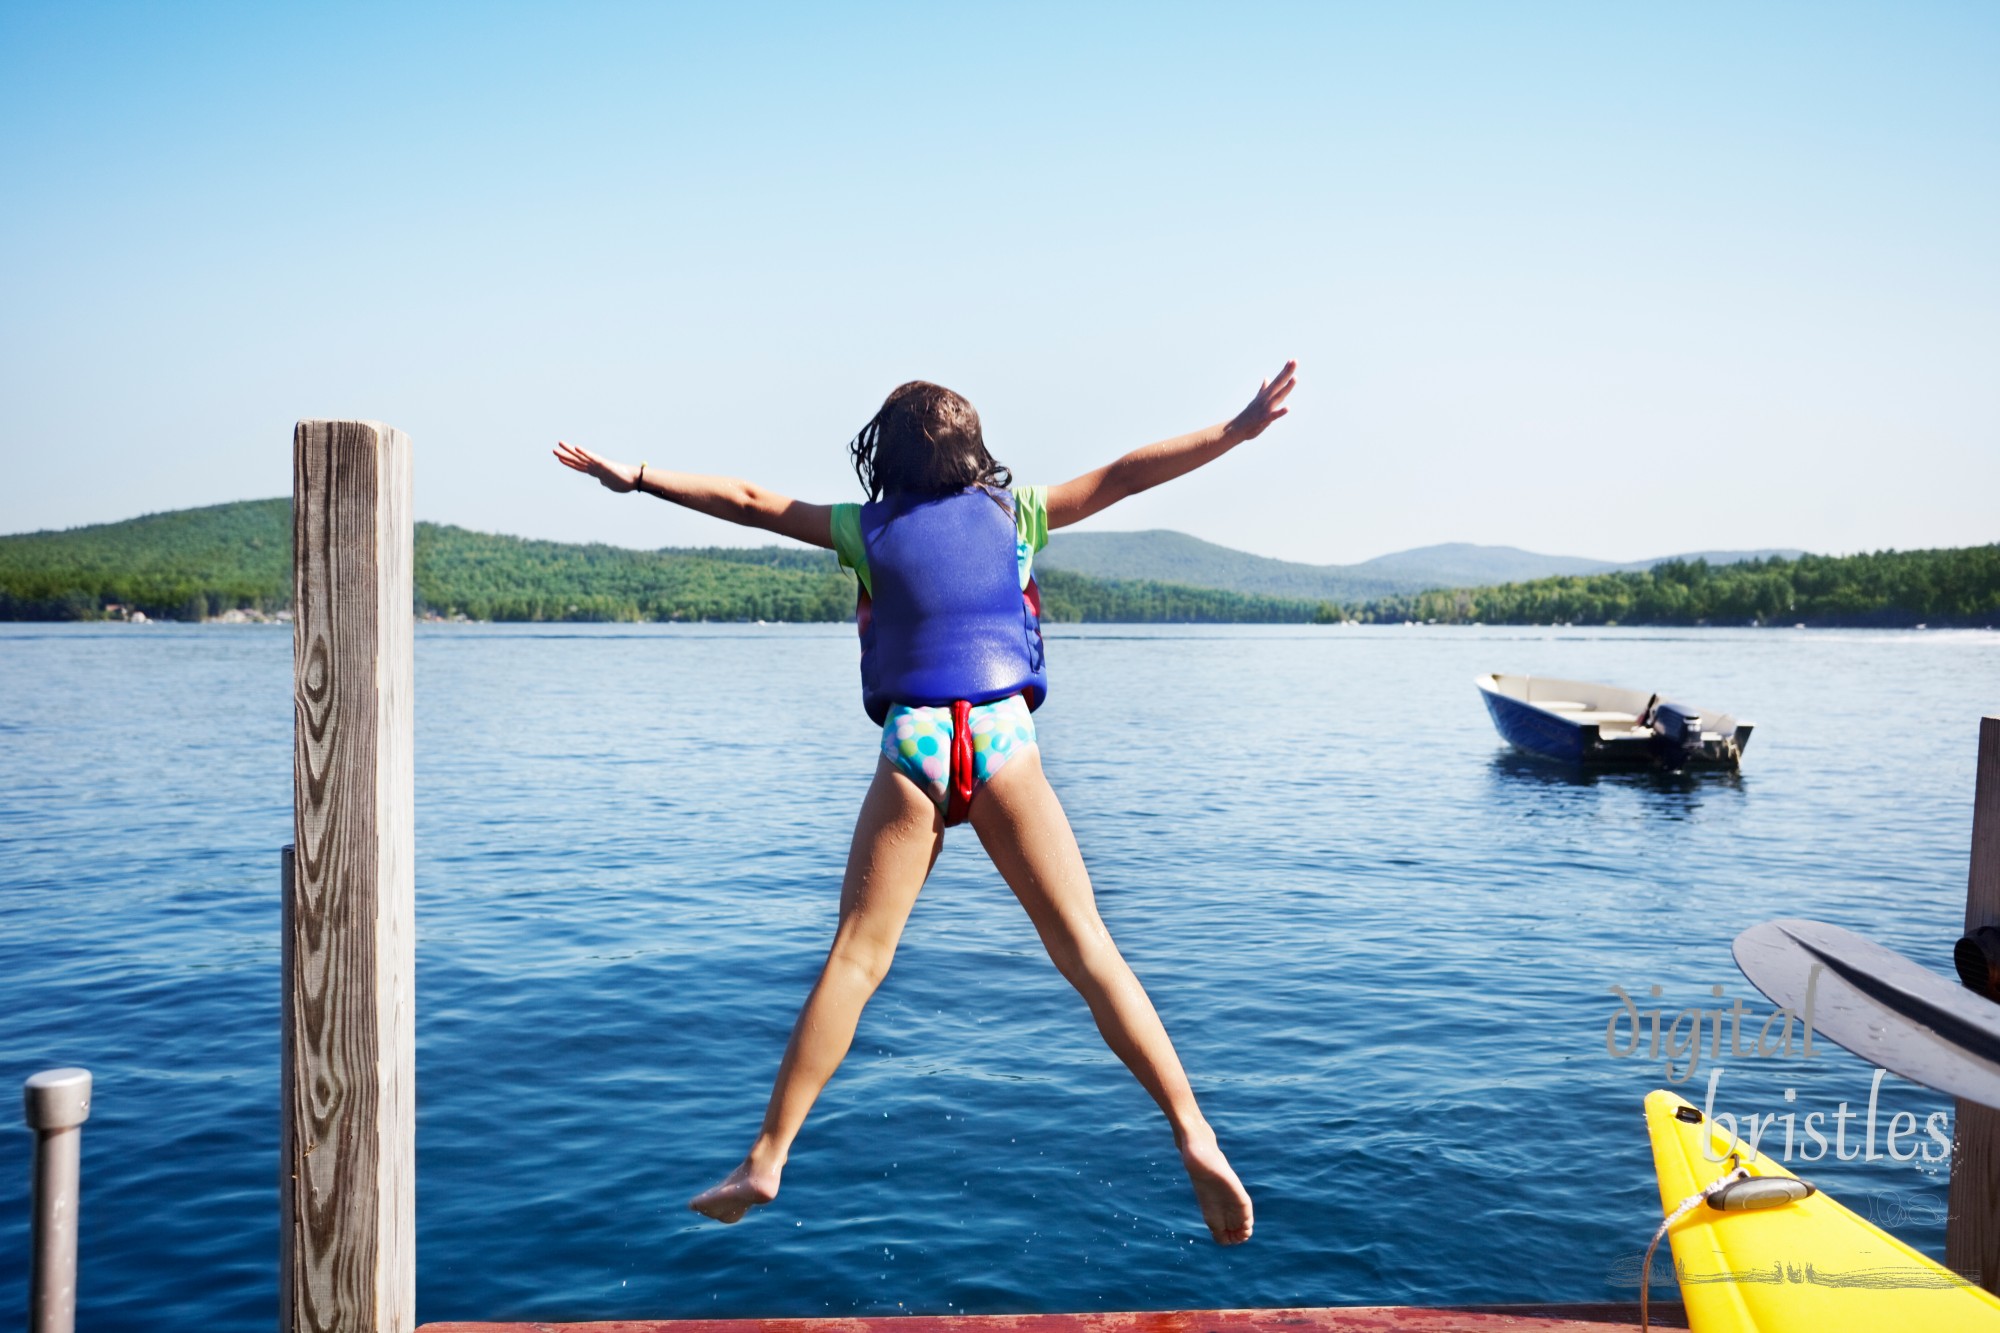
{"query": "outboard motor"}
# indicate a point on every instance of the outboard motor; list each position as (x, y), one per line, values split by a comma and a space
(1677, 733)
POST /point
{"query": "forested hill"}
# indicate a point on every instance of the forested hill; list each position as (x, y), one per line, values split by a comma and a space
(1951, 587)
(193, 564)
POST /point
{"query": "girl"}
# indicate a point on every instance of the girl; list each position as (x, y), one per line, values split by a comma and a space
(951, 667)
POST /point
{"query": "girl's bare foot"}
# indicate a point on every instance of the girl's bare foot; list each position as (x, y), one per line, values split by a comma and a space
(741, 1190)
(1225, 1204)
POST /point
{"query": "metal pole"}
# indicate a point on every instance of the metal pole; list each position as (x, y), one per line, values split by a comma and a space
(57, 1102)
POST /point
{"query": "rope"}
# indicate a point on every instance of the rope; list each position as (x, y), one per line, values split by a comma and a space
(1682, 1209)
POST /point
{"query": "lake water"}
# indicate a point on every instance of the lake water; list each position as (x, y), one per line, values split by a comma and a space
(1383, 946)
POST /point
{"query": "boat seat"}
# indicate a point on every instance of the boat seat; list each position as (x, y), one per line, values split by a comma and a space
(1604, 718)
(1560, 705)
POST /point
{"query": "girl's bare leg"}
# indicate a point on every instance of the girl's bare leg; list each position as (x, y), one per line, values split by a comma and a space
(896, 841)
(1028, 836)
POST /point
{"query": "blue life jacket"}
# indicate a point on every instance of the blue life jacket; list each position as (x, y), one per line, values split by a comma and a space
(945, 617)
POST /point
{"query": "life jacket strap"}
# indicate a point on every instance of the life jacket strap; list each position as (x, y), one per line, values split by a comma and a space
(958, 804)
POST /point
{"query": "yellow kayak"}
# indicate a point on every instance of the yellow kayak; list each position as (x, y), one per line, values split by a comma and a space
(1804, 1265)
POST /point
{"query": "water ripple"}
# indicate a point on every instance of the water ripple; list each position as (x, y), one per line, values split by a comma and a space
(1384, 946)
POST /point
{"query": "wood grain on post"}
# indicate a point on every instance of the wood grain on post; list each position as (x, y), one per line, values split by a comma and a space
(348, 1186)
(1972, 1231)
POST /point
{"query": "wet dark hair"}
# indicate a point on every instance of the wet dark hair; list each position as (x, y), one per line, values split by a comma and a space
(925, 440)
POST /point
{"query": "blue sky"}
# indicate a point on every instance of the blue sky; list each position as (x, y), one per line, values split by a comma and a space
(1598, 279)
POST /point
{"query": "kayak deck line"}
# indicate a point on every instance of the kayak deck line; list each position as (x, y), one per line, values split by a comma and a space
(1602, 1317)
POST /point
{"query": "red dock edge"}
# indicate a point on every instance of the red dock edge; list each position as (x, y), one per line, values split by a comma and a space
(1350, 1319)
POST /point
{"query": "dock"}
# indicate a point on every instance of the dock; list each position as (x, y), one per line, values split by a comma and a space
(1602, 1318)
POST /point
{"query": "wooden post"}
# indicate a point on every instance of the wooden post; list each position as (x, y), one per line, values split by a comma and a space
(1972, 1229)
(348, 1156)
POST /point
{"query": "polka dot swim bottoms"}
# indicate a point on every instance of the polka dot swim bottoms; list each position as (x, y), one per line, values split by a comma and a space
(918, 741)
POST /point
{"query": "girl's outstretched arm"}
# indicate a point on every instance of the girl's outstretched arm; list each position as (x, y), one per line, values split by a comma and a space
(1148, 466)
(722, 497)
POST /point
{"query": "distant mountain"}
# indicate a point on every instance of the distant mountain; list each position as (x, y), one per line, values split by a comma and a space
(1464, 565)
(1175, 557)
(1719, 557)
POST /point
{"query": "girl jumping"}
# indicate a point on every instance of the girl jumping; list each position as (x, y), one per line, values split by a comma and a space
(952, 669)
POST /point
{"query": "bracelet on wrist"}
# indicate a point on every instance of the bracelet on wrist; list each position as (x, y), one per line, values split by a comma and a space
(639, 482)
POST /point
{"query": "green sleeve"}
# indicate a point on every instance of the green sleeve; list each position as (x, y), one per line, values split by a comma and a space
(1031, 517)
(847, 547)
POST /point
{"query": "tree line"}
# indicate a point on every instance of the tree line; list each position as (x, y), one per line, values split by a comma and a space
(197, 563)
(1886, 589)
(192, 564)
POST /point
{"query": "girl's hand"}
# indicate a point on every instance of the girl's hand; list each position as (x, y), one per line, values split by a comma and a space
(613, 476)
(1266, 407)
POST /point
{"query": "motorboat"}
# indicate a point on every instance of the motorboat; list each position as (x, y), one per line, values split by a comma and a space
(1581, 722)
